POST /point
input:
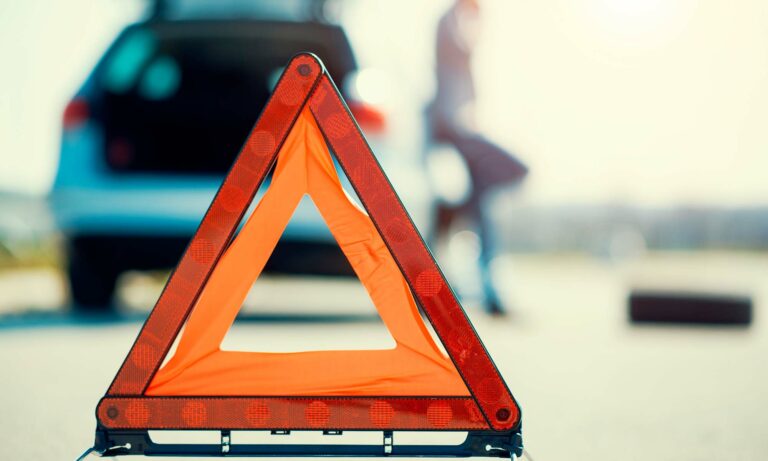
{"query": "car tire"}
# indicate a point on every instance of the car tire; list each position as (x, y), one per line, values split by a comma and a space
(92, 279)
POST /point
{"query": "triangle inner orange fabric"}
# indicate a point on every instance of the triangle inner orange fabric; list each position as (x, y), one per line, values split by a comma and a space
(416, 366)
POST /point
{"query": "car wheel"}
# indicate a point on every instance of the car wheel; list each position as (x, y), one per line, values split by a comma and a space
(92, 279)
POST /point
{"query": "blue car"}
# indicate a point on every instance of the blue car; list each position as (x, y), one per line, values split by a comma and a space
(151, 133)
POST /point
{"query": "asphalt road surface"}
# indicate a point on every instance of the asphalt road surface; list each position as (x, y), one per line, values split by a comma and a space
(591, 385)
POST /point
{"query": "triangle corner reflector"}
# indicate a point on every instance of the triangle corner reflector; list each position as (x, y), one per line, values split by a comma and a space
(411, 387)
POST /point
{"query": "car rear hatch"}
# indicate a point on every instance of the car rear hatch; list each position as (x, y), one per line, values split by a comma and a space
(181, 96)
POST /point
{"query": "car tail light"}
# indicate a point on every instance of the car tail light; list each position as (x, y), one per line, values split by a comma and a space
(75, 114)
(371, 119)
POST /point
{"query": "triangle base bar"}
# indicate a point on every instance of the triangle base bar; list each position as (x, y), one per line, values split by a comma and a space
(291, 413)
(477, 443)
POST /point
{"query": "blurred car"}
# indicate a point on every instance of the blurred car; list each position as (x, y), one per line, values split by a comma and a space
(151, 133)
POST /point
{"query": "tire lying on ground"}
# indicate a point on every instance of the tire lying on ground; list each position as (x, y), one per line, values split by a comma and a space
(688, 307)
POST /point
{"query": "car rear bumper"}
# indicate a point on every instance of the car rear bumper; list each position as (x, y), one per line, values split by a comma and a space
(174, 206)
(170, 211)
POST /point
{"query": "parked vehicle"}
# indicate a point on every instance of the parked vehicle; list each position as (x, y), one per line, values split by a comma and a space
(149, 136)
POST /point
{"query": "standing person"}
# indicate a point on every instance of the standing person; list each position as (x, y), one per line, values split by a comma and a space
(452, 121)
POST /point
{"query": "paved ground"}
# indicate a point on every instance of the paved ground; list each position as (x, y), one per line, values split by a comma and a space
(591, 386)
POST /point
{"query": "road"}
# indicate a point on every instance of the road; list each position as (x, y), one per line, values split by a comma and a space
(591, 385)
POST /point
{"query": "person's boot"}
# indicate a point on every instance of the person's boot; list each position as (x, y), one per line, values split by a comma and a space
(493, 304)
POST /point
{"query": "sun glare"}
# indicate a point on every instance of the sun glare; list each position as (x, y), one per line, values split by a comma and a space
(638, 18)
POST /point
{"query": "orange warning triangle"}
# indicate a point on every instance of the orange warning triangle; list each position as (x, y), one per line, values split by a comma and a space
(411, 387)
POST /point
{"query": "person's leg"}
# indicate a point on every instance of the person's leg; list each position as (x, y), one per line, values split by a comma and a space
(490, 165)
(478, 214)
(491, 168)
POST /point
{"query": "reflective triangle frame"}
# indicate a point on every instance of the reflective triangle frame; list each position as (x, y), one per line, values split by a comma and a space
(490, 415)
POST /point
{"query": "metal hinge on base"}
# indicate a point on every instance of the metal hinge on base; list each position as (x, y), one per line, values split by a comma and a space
(226, 439)
(388, 442)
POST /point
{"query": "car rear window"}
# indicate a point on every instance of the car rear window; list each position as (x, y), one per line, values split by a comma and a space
(182, 97)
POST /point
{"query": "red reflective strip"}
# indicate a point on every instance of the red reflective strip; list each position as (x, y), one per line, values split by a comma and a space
(417, 264)
(297, 413)
(218, 225)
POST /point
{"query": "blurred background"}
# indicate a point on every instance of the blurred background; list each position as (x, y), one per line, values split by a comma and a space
(629, 264)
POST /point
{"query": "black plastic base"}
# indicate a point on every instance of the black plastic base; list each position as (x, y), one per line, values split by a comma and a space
(477, 443)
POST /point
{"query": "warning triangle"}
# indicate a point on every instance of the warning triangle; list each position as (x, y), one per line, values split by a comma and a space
(411, 387)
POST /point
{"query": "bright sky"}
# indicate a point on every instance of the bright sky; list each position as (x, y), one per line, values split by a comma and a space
(47, 48)
(640, 101)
